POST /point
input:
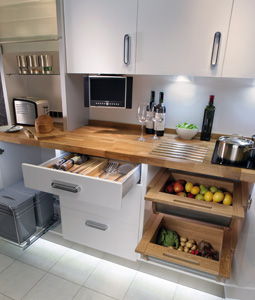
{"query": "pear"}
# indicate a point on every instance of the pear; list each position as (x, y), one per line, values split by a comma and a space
(203, 189)
(213, 189)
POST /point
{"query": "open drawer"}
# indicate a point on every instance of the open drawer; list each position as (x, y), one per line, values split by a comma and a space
(216, 213)
(218, 237)
(82, 187)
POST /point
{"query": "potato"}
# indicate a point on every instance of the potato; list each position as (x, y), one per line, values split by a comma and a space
(189, 244)
(183, 244)
(183, 239)
(186, 249)
(180, 248)
(192, 241)
(194, 247)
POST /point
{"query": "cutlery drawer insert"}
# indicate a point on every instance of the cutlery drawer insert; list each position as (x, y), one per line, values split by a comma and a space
(84, 186)
(219, 238)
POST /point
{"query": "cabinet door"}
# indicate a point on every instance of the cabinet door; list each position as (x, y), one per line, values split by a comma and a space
(100, 36)
(177, 36)
(240, 53)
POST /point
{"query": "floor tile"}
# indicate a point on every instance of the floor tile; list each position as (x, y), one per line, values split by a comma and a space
(202, 285)
(159, 271)
(88, 250)
(43, 254)
(86, 294)
(111, 279)
(75, 266)
(18, 279)
(147, 287)
(53, 288)
(2, 297)
(5, 261)
(10, 249)
(183, 291)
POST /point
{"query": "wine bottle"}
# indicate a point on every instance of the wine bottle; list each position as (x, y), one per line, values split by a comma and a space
(161, 115)
(150, 115)
(207, 124)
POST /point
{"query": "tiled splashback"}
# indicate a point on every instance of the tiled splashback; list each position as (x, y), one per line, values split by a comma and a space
(3, 118)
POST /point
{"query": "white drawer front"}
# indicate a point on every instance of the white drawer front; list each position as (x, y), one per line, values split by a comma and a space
(100, 233)
(81, 188)
(129, 213)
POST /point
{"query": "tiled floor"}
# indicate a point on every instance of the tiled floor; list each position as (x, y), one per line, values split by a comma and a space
(53, 268)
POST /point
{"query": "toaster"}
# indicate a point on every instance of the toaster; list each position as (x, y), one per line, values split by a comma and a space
(27, 109)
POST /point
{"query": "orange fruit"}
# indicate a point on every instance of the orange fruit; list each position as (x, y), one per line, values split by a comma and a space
(218, 197)
(195, 190)
(228, 199)
(188, 187)
(208, 196)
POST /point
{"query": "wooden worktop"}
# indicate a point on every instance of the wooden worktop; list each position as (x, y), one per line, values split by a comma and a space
(120, 142)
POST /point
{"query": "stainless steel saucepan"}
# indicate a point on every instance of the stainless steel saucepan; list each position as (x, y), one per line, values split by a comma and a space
(235, 148)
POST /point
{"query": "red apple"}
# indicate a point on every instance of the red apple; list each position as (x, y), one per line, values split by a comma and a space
(190, 195)
(169, 189)
(183, 182)
(178, 187)
(183, 194)
(172, 183)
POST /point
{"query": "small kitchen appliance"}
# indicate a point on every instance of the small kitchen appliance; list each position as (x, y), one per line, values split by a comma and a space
(108, 91)
(27, 109)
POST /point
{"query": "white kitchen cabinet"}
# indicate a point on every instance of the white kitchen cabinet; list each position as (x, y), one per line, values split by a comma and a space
(100, 36)
(177, 37)
(240, 53)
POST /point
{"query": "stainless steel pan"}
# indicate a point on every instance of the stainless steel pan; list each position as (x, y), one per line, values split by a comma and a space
(235, 148)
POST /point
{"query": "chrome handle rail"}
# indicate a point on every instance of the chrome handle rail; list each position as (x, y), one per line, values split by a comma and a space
(96, 225)
(215, 48)
(68, 187)
(126, 49)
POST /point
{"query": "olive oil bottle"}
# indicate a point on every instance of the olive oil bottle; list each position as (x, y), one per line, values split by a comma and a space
(207, 124)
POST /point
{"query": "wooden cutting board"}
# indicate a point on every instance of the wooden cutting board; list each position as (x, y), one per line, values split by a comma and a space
(41, 136)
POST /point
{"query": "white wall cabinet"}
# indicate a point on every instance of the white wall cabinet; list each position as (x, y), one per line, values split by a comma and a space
(240, 54)
(100, 36)
(177, 37)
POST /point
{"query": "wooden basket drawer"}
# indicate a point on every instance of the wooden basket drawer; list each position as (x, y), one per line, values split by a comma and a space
(235, 211)
(219, 238)
(85, 188)
(100, 233)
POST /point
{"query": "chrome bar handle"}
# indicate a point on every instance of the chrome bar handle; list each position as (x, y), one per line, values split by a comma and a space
(68, 187)
(96, 225)
(126, 49)
(215, 48)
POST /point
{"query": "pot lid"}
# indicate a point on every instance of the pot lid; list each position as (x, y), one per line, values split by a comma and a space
(236, 140)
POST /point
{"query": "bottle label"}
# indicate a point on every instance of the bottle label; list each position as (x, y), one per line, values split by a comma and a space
(149, 122)
(160, 119)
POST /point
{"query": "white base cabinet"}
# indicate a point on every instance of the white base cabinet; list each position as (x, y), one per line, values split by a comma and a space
(114, 232)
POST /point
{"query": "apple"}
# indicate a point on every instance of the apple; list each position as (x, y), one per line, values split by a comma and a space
(172, 183)
(183, 194)
(183, 182)
(190, 195)
(178, 187)
(169, 189)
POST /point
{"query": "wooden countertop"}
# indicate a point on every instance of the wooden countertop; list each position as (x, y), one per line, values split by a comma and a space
(120, 142)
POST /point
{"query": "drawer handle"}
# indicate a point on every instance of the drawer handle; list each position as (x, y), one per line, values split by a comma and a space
(68, 187)
(96, 225)
(182, 259)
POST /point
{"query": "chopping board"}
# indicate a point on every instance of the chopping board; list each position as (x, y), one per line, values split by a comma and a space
(31, 133)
